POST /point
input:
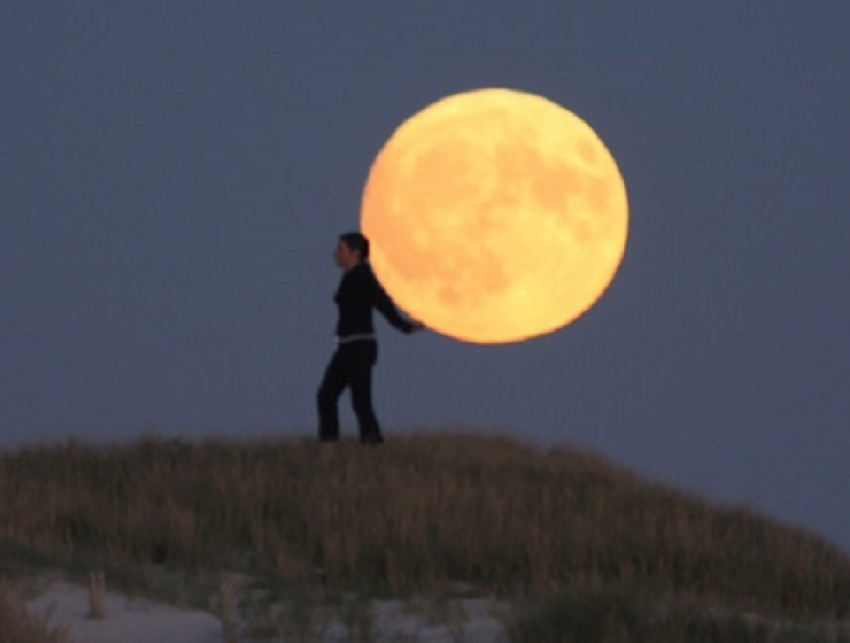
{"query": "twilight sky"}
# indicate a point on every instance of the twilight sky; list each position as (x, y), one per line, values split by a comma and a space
(173, 177)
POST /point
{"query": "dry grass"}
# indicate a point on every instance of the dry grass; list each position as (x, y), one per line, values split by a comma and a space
(18, 626)
(618, 614)
(422, 514)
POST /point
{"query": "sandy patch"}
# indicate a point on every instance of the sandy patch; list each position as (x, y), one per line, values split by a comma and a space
(139, 620)
(127, 620)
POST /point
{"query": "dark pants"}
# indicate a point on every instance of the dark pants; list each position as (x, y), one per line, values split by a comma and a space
(351, 366)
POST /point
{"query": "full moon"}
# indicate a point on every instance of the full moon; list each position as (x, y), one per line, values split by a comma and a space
(495, 216)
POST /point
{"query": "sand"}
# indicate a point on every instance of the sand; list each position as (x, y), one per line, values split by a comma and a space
(127, 620)
(141, 620)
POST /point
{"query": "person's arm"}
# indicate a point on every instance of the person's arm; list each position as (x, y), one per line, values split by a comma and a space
(381, 300)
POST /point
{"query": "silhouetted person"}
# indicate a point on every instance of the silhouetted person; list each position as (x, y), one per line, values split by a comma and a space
(351, 366)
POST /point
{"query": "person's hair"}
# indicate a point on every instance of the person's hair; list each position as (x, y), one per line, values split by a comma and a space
(357, 241)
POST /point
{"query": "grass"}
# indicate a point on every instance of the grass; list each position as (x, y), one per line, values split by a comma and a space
(18, 626)
(628, 613)
(425, 514)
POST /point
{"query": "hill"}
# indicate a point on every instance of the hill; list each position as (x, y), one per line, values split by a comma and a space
(426, 514)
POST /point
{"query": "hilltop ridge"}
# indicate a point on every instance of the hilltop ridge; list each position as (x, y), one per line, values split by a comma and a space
(427, 514)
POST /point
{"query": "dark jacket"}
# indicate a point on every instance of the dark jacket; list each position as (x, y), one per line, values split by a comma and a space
(358, 293)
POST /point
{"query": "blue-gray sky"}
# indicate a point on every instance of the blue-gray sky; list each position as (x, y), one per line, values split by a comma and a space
(173, 177)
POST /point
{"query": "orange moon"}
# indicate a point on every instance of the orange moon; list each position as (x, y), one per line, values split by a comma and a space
(495, 216)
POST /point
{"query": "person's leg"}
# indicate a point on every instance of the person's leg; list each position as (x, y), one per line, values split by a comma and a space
(364, 358)
(334, 381)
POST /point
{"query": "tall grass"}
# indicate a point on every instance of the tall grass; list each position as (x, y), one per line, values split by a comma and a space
(18, 626)
(423, 513)
(628, 613)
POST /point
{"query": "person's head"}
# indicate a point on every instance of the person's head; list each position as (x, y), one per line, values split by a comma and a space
(351, 249)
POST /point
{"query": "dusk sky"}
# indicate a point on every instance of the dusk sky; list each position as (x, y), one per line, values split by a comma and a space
(174, 176)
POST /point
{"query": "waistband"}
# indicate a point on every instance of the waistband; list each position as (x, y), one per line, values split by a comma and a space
(347, 339)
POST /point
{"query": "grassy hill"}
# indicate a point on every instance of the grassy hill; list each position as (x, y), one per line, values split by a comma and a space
(563, 532)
